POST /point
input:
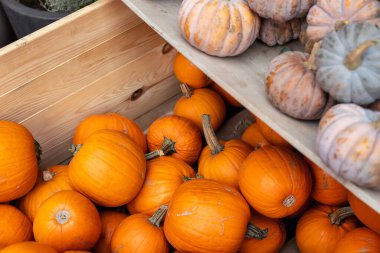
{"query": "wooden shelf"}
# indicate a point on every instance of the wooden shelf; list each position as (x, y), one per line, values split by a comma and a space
(243, 78)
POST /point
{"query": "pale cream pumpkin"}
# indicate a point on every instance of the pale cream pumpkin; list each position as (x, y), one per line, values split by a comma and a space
(278, 33)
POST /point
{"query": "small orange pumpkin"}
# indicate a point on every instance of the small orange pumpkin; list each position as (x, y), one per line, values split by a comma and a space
(186, 72)
(359, 240)
(270, 135)
(226, 96)
(253, 136)
(28, 247)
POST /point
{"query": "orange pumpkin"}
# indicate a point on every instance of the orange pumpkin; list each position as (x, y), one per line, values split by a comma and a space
(271, 236)
(174, 135)
(219, 160)
(112, 121)
(359, 240)
(109, 168)
(140, 234)
(200, 101)
(164, 176)
(55, 179)
(14, 226)
(365, 214)
(67, 221)
(76, 251)
(28, 247)
(321, 227)
(226, 96)
(270, 135)
(110, 221)
(18, 161)
(253, 136)
(275, 181)
(207, 217)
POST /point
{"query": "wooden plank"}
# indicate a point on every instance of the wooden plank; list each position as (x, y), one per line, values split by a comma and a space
(243, 78)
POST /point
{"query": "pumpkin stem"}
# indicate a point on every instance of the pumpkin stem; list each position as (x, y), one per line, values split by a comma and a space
(167, 147)
(37, 147)
(310, 63)
(157, 217)
(62, 217)
(75, 148)
(354, 59)
(210, 135)
(47, 175)
(340, 214)
(197, 176)
(340, 24)
(186, 92)
(289, 201)
(255, 232)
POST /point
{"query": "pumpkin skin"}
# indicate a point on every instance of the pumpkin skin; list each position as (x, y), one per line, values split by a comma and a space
(275, 181)
(226, 96)
(315, 232)
(18, 161)
(184, 133)
(348, 142)
(364, 213)
(110, 220)
(55, 179)
(76, 251)
(14, 226)
(207, 217)
(278, 33)
(186, 72)
(29, 247)
(359, 240)
(253, 136)
(217, 27)
(348, 64)
(67, 221)
(327, 16)
(112, 121)
(270, 135)
(98, 163)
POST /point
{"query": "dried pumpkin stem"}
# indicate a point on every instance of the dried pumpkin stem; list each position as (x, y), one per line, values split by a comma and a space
(211, 139)
(47, 175)
(186, 91)
(256, 232)
(75, 148)
(158, 216)
(354, 59)
(340, 214)
(310, 63)
(167, 147)
(340, 24)
(197, 176)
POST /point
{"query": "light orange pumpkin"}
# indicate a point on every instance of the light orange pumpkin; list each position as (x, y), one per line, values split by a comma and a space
(28, 247)
(253, 136)
(359, 240)
(226, 96)
(67, 221)
(278, 33)
(275, 181)
(221, 160)
(270, 135)
(54, 179)
(109, 168)
(18, 161)
(164, 176)
(14, 226)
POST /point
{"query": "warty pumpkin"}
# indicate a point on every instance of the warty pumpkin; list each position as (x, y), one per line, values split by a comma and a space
(225, 95)
(219, 28)
(253, 136)
(14, 226)
(109, 168)
(139, 233)
(275, 181)
(29, 247)
(221, 160)
(67, 221)
(270, 135)
(359, 240)
(348, 142)
(278, 33)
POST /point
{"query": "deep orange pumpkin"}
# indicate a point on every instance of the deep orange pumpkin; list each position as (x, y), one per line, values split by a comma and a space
(28, 247)
(275, 181)
(18, 161)
(14, 226)
(226, 96)
(359, 240)
(270, 135)
(67, 221)
(253, 136)
(164, 176)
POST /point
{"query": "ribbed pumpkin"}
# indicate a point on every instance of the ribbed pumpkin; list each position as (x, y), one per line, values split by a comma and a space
(14, 226)
(112, 121)
(270, 135)
(365, 214)
(164, 176)
(221, 160)
(54, 179)
(28, 247)
(140, 234)
(18, 161)
(278, 33)
(207, 217)
(174, 135)
(321, 227)
(110, 221)
(220, 28)
(200, 101)
(348, 143)
(226, 96)
(253, 136)
(109, 168)
(275, 181)
(186, 72)
(359, 240)
(67, 221)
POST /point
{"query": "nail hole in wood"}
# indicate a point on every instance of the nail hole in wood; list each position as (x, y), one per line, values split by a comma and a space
(137, 94)
(166, 48)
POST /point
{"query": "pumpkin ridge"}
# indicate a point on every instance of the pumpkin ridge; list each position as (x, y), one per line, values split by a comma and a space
(207, 37)
(241, 24)
(371, 151)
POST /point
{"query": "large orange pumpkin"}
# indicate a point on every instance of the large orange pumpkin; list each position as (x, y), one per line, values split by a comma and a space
(28, 247)
(67, 221)
(174, 135)
(111, 121)
(110, 221)
(321, 227)
(226, 96)
(164, 176)
(140, 234)
(275, 181)
(221, 160)
(207, 217)
(109, 168)
(18, 161)
(270, 135)
(359, 240)
(14, 226)
(55, 179)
